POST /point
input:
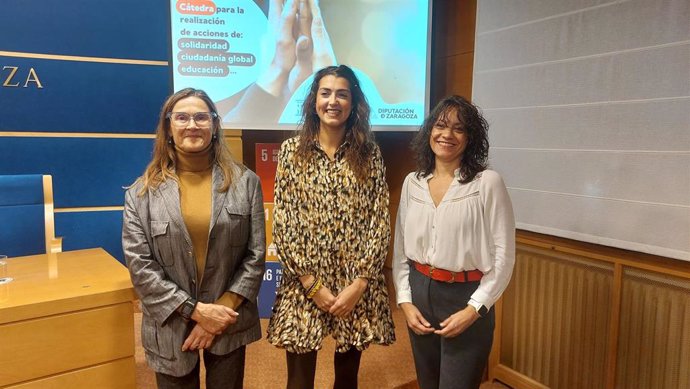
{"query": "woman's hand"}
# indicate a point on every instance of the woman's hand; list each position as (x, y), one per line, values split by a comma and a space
(314, 50)
(281, 42)
(198, 339)
(348, 298)
(324, 299)
(415, 320)
(458, 322)
(323, 54)
(214, 318)
(298, 40)
(303, 48)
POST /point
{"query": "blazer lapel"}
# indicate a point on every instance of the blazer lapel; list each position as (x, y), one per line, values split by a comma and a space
(218, 196)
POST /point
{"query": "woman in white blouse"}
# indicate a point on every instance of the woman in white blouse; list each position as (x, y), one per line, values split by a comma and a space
(454, 247)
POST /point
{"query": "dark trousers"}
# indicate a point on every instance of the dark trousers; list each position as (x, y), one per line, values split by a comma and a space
(222, 372)
(301, 369)
(449, 363)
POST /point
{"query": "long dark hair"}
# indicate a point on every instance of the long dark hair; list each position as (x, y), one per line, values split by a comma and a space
(357, 127)
(475, 157)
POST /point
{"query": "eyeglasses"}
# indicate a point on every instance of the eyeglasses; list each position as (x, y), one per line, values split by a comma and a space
(200, 118)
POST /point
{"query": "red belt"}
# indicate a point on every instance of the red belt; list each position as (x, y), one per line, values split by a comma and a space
(448, 276)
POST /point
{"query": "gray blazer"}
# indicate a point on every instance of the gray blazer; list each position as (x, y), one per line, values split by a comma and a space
(161, 264)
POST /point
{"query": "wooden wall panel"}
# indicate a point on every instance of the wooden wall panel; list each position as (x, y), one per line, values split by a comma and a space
(395, 147)
(454, 76)
(234, 141)
(454, 25)
(555, 312)
(578, 315)
(453, 48)
(654, 341)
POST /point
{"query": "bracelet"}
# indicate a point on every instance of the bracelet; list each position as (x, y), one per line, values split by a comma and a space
(313, 283)
(310, 291)
(314, 288)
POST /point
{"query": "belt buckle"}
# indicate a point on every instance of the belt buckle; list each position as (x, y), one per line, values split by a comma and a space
(452, 277)
(431, 272)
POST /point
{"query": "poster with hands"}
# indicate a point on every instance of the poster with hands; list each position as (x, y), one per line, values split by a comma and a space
(256, 58)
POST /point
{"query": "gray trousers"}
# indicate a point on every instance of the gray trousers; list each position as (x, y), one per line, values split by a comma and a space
(449, 363)
(222, 372)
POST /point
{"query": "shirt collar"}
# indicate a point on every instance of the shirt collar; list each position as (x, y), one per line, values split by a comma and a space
(338, 153)
(456, 173)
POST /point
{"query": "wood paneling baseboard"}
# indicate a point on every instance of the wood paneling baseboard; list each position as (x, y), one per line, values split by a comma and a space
(579, 315)
(554, 314)
(654, 337)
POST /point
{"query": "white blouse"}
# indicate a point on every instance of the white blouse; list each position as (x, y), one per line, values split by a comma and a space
(473, 227)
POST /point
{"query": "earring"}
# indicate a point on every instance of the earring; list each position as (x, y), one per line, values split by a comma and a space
(170, 141)
(214, 137)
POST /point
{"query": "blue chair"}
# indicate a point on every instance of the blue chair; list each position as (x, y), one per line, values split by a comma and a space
(27, 225)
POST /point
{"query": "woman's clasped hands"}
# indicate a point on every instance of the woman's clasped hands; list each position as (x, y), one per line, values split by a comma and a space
(344, 303)
(212, 320)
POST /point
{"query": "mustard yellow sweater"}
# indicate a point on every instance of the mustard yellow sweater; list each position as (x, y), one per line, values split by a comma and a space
(195, 171)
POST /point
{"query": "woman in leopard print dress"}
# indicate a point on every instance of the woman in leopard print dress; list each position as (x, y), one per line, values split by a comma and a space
(331, 229)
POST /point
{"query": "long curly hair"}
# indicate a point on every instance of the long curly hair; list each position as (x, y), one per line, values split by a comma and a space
(475, 157)
(164, 159)
(357, 127)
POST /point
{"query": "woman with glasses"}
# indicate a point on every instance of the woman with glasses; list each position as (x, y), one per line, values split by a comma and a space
(454, 247)
(331, 229)
(194, 242)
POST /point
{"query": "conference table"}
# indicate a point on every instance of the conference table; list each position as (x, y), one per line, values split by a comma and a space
(67, 321)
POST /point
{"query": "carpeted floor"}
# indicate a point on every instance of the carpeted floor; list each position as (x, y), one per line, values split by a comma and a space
(381, 368)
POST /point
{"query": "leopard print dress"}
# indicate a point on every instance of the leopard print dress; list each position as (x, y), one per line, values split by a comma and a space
(329, 224)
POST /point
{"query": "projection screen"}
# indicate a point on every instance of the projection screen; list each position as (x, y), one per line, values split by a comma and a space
(589, 106)
(256, 58)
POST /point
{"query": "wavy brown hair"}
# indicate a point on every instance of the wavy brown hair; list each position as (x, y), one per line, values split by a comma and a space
(162, 165)
(357, 127)
(475, 157)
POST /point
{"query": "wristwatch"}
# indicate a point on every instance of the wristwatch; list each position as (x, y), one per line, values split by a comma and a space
(187, 308)
(481, 309)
